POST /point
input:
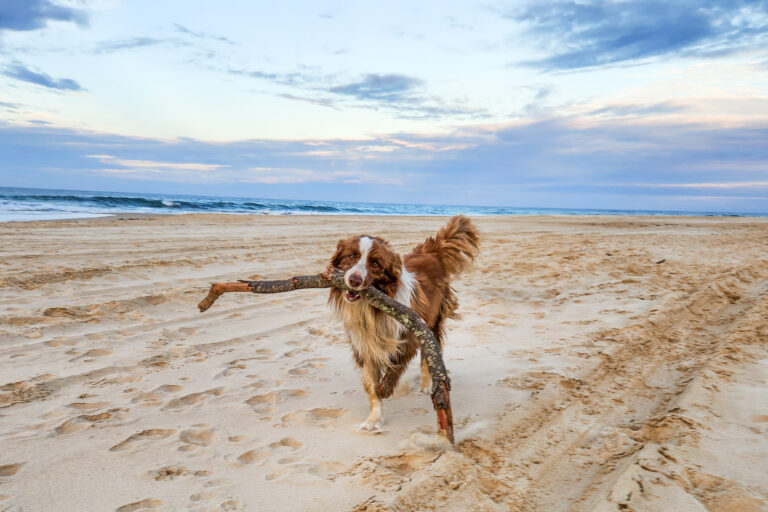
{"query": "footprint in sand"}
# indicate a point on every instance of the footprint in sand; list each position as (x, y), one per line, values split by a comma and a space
(405, 465)
(252, 456)
(326, 469)
(10, 469)
(297, 351)
(300, 472)
(204, 496)
(88, 420)
(285, 445)
(93, 354)
(88, 406)
(154, 433)
(168, 473)
(168, 388)
(141, 506)
(232, 505)
(267, 401)
(308, 367)
(321, 417)
(262, 383)
(198, 437)
(193, 398)
(277, 474)
(156, 396)
(264, 354)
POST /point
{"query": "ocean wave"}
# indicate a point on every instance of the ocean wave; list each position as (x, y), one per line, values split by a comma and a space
(15, 202)
(131, 202)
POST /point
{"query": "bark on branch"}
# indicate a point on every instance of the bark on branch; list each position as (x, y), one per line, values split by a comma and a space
(441, 384)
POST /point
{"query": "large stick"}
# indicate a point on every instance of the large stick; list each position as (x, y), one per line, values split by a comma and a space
(441, 384)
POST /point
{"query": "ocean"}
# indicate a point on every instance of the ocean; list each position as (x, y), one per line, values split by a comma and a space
(25, 204)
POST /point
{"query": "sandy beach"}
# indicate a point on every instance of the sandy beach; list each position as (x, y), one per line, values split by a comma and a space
(601, 364)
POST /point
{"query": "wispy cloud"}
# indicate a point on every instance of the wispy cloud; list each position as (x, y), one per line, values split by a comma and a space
(116, 45)
(386, 88)
(301, 79)
(19, 71)
(632, 109)
(271, 175)
(202, 35)
(595, 32)
(315, 101)
(155, 165)
(25, 15)
(404, 96)
(720, 186)
(9, 105)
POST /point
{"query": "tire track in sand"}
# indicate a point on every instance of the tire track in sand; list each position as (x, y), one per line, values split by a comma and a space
(569, 446)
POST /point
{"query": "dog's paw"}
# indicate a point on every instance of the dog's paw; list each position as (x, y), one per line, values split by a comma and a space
(425, 390)
(371, 427)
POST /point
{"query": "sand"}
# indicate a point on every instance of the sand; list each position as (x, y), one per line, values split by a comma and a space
(601, 364)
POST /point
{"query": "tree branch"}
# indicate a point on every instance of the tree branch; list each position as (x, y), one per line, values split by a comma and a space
(431, 349)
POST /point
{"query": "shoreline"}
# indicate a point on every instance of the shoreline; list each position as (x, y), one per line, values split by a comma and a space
(122, 216)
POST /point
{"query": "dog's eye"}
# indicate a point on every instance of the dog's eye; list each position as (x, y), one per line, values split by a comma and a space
(375, 264)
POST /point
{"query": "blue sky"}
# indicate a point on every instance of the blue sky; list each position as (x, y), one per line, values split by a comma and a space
(631, 104)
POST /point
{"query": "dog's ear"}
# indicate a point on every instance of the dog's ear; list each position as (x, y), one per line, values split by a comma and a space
(396, 266)
(340, 246)
(336, 258)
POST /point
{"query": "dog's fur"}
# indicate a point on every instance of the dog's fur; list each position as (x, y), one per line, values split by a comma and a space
(381, 347)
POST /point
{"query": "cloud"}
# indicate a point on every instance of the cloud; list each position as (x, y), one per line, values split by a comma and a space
(18, 71)
(595, 33)
(665, 163)
(116, 45)
(314, 101)
(631, 109)
(22, 15)
(726, 185)
(300, 79)
(403, 95)
(202, 35)
(271, 175)
(387, 88)
(9, 106)
(155, 165)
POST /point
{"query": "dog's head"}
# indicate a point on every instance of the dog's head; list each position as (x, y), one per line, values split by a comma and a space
(367, 261)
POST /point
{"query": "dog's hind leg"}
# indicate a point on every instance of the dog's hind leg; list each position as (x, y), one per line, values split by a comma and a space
(371, 374)
(398, 364)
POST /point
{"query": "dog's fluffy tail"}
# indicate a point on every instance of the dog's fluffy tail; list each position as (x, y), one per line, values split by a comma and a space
(456, 245)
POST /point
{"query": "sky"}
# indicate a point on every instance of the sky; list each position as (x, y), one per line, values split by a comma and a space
(627, 104)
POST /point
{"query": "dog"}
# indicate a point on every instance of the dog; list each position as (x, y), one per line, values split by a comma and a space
(421, 279)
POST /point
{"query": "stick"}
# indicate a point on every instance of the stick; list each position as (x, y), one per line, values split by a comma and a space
(441, 384)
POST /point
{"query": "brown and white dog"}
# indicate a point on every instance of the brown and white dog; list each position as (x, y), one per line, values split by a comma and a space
(421, 279)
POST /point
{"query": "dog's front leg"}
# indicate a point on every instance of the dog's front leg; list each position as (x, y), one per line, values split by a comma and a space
(371, 374)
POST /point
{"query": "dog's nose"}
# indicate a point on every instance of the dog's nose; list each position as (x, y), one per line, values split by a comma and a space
(355, 280)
